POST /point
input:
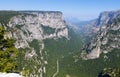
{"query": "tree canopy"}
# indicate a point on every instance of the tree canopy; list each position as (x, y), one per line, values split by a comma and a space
(8, 53)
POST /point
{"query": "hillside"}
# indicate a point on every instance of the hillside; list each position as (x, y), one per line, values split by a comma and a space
(107, 38)
(87, 63)
(42, 38)
(50, 47)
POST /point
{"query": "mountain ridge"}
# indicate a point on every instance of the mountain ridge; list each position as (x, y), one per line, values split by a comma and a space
(106, 34)
(28, 31)
(47, 42)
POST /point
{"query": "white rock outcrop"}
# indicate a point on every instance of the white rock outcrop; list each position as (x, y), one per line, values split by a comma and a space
(34, 27)
(29, 27)
(10, 75)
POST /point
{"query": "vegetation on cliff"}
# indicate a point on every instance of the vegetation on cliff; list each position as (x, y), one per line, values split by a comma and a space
(8, 53)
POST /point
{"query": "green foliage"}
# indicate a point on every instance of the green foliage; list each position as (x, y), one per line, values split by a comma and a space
(8, 53)
(62, 49)
(25, 72)
(88, 68)
(5, 16)
(35, 44)
(111, 72)
(48, 30)
(115, 32)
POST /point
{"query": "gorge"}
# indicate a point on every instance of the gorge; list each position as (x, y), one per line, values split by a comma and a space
(51, 47)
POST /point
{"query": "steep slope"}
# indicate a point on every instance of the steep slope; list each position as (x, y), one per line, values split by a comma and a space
(59, 50)
(90, 64)
(106, 17)
(90, 29)
(29, 29)
(107, 38)
(51, 48)
(103, 19)
(43, 39)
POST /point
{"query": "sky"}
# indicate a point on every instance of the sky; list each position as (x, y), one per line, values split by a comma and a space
(80, 9)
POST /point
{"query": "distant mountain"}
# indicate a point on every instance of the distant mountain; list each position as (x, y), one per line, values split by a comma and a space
(89, 29)
(107, 38)
(100, 57)
(50, 46)
(106, 17)
(72, 19)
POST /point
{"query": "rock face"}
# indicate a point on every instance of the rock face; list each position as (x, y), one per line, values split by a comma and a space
(107, 38)
(29, 29)
(53, 19)
(106, 17)
(10, 75)
(34, 26)
(92, 27)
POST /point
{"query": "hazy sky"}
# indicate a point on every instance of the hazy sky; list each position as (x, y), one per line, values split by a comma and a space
(82, 9)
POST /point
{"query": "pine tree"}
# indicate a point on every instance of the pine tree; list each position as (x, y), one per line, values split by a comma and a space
(8, 53)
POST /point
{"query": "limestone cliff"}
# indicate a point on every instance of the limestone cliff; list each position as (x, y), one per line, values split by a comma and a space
(107, 38)
(29, 29)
